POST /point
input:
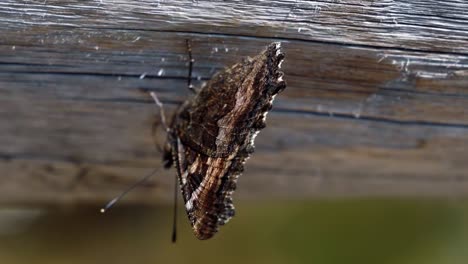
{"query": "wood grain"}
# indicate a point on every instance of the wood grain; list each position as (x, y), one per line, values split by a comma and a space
(376, 104)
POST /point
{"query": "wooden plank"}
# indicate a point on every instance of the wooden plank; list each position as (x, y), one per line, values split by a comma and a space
(376, 102)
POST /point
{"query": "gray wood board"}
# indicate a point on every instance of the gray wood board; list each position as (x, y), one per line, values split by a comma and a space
(376, 102)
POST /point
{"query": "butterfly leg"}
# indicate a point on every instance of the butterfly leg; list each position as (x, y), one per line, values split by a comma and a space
(191, 60)
(161, 110)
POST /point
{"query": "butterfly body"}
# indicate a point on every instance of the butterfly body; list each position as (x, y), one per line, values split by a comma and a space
(212, 135)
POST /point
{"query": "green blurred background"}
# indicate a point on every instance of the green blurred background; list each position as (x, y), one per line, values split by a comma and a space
(324, 231)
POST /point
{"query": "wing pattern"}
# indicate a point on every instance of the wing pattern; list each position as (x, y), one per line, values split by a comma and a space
(212, 135)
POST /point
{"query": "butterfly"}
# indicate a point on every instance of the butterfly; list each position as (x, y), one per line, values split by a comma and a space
(212, 134)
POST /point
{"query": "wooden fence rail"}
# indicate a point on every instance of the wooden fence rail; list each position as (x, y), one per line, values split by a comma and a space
(376, 103)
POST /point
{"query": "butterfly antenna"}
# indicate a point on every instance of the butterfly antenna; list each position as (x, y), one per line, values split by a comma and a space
(191, 60)
(174, 222)
(133, 186)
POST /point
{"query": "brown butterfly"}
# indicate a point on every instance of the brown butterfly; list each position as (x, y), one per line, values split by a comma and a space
(212, 134)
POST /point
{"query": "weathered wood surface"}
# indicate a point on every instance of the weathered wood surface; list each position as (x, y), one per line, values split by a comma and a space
(376, 104)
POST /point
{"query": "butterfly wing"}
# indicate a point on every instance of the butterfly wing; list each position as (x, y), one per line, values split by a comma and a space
(213, 134)
(207, 184)
(220, 119)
